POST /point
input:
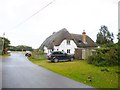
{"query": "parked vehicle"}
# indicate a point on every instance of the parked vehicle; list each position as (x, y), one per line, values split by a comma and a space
(28, 53)
(8, 52)
(57, 56)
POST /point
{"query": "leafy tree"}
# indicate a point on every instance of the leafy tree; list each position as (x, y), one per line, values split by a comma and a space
(4, 43)
(118, 37)
(118, 46)
(104, 36)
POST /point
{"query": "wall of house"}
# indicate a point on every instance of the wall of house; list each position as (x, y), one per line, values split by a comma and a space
(48, 51)
(66, 47)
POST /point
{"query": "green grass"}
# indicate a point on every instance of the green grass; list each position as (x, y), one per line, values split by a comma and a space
(5, 55)
(79, 70)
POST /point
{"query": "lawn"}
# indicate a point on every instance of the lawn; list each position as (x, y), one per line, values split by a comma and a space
(79, 70)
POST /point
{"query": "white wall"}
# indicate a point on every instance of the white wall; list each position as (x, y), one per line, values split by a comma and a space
(47, 50)
(64, 46)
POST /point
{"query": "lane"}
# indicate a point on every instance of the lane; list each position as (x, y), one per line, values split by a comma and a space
(19, 72)
(0, 72)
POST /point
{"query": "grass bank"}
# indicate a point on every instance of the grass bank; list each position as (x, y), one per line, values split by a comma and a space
(79, 70)
(5, 55)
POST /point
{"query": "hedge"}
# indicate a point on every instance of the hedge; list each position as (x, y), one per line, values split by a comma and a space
(104, 57)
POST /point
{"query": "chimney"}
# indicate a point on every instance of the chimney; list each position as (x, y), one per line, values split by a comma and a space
(84, 37)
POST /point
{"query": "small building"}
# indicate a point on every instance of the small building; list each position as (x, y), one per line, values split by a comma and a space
(68, 42)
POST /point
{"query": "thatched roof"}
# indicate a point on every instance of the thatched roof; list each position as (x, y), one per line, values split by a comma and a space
(57, 38)
(79, 43)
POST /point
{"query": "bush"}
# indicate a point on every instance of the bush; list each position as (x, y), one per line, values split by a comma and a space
(104, 57)
(38, 55)
(0, 52)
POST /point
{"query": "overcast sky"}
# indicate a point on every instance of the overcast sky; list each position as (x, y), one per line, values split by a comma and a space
(74, 15)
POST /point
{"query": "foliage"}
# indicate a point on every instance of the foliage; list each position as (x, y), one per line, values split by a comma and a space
(109, 45)
(79, 70)
(109, 52)
(104, 36)
(38, 54)
(20, 48)
(118, 45)
(104, 57)
(5, 43)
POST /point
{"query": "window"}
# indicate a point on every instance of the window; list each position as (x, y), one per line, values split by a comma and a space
(79, 41)
(68, 42)
(55, 52)
(68, 50)
(60, 53)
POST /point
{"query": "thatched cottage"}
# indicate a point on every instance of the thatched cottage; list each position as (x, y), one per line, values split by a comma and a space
(68, 42)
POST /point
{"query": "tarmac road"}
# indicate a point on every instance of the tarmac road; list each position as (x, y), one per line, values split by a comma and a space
(19, 72)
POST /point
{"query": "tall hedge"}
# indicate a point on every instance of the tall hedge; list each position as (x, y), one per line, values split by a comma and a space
(104, 57)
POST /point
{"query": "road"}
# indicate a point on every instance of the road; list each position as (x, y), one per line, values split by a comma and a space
(0, 72)
(19, 72)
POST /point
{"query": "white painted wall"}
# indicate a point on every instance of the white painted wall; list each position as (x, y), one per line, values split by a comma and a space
(63, 46)
(47, 50)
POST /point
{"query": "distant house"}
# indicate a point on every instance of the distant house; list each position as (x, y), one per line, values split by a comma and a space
(68, 42)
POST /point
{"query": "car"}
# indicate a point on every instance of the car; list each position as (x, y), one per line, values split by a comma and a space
(57, 56)
(28, 53)
(8, 52)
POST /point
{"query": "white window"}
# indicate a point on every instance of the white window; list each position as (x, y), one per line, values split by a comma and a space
(68, 42)
(68, 50)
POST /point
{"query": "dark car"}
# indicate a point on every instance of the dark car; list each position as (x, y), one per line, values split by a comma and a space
(57, 56)
(28, 53)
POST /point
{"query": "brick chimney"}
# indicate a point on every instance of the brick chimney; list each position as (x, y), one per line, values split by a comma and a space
(84, 37)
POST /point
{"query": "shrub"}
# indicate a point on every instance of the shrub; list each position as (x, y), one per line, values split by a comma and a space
(38, 55)
(104, 57)
(0, 52)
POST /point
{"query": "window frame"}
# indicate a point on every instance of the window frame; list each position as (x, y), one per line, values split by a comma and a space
(68, 42)
(68, 51)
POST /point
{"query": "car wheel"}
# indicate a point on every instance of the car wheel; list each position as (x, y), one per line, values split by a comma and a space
(71, 59)
(55, 60)
(29, 55)
(26, 54)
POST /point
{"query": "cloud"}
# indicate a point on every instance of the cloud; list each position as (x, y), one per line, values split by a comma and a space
(75, 15)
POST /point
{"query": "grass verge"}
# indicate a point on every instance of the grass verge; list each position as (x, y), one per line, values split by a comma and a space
(80, 70)
(5, 55)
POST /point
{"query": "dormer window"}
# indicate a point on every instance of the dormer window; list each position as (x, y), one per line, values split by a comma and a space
(68, 42)
(79, 41)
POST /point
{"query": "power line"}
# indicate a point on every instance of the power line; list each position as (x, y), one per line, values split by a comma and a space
(33, 14)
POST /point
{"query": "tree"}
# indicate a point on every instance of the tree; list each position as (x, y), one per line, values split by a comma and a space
(104, 36)
(118, 37)
(5, 44)
(23, 48)
(118, 46)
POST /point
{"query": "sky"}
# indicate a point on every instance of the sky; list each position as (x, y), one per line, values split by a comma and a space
(27, 22)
